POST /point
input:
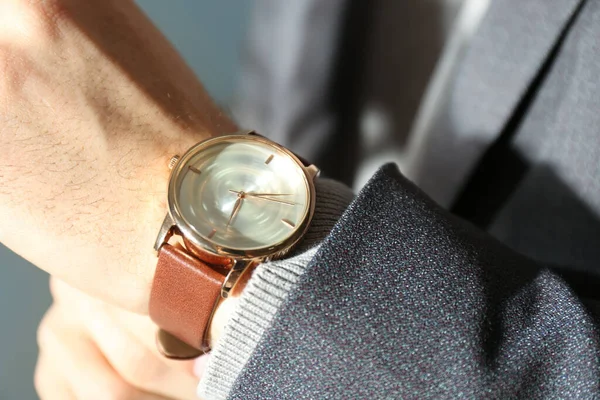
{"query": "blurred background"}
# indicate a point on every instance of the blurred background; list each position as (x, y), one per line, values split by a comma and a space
(208, 33)
(338, 81)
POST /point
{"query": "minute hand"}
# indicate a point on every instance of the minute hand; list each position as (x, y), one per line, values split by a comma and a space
(267, 194)
(268, 197)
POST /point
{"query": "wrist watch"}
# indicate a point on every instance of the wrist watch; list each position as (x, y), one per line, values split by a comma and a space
(233, 201)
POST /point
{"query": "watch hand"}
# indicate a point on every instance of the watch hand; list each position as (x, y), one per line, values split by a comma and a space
(236, 208)
(267, 194)
(289, 203)
(253, 194)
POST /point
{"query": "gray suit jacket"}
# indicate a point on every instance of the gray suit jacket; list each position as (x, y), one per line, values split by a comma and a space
(407, 299)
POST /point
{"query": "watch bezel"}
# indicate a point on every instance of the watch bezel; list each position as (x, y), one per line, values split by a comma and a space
(200, 243)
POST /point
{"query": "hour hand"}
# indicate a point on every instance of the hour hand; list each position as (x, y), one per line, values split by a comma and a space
(236, 209)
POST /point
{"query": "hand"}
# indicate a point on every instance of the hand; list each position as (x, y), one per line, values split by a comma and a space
(265, 196)
(93, 102)
(259, 194)
(268, 198)
(92, 350)
(236, 209)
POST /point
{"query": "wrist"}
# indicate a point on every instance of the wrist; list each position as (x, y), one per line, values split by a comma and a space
(226, 307)
(222, 315)
(156, 180)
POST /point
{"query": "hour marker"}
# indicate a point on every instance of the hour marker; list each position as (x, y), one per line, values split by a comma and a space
(269, 159)
(194, 169)
(212, 233)
(288, 223)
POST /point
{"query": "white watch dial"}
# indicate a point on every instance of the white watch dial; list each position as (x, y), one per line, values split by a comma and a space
(242, 194)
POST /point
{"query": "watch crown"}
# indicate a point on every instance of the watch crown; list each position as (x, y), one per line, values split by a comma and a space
(173, 161)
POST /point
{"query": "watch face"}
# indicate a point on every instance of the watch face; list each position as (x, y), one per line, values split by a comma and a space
(241, 193)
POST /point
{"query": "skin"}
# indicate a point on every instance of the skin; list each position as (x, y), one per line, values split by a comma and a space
(93, 103)
(105, 352)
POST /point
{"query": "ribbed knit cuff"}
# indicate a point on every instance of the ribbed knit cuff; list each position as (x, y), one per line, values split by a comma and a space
(264, 294)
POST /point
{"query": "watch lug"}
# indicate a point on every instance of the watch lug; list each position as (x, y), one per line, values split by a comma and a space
(165, 232)
(313, 171)
(234, 276)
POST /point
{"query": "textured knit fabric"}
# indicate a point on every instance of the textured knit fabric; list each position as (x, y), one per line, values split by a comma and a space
(266, 291)
(404, 300)
(422, 305)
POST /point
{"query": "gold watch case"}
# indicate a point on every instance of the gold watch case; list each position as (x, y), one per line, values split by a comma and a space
(237, 260)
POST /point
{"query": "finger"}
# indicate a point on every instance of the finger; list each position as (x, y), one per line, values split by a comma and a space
(78, 360)
(141, 327)
(141, 365)
(127, 340)
(48, 382)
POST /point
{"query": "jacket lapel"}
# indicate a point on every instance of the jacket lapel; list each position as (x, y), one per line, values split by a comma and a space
(504, 57)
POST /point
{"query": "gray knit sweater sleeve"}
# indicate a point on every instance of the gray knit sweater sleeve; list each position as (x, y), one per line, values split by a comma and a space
(266, 291)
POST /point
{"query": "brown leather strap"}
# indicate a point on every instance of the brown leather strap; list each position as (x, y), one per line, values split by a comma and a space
(184, 294)
(173, 348)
